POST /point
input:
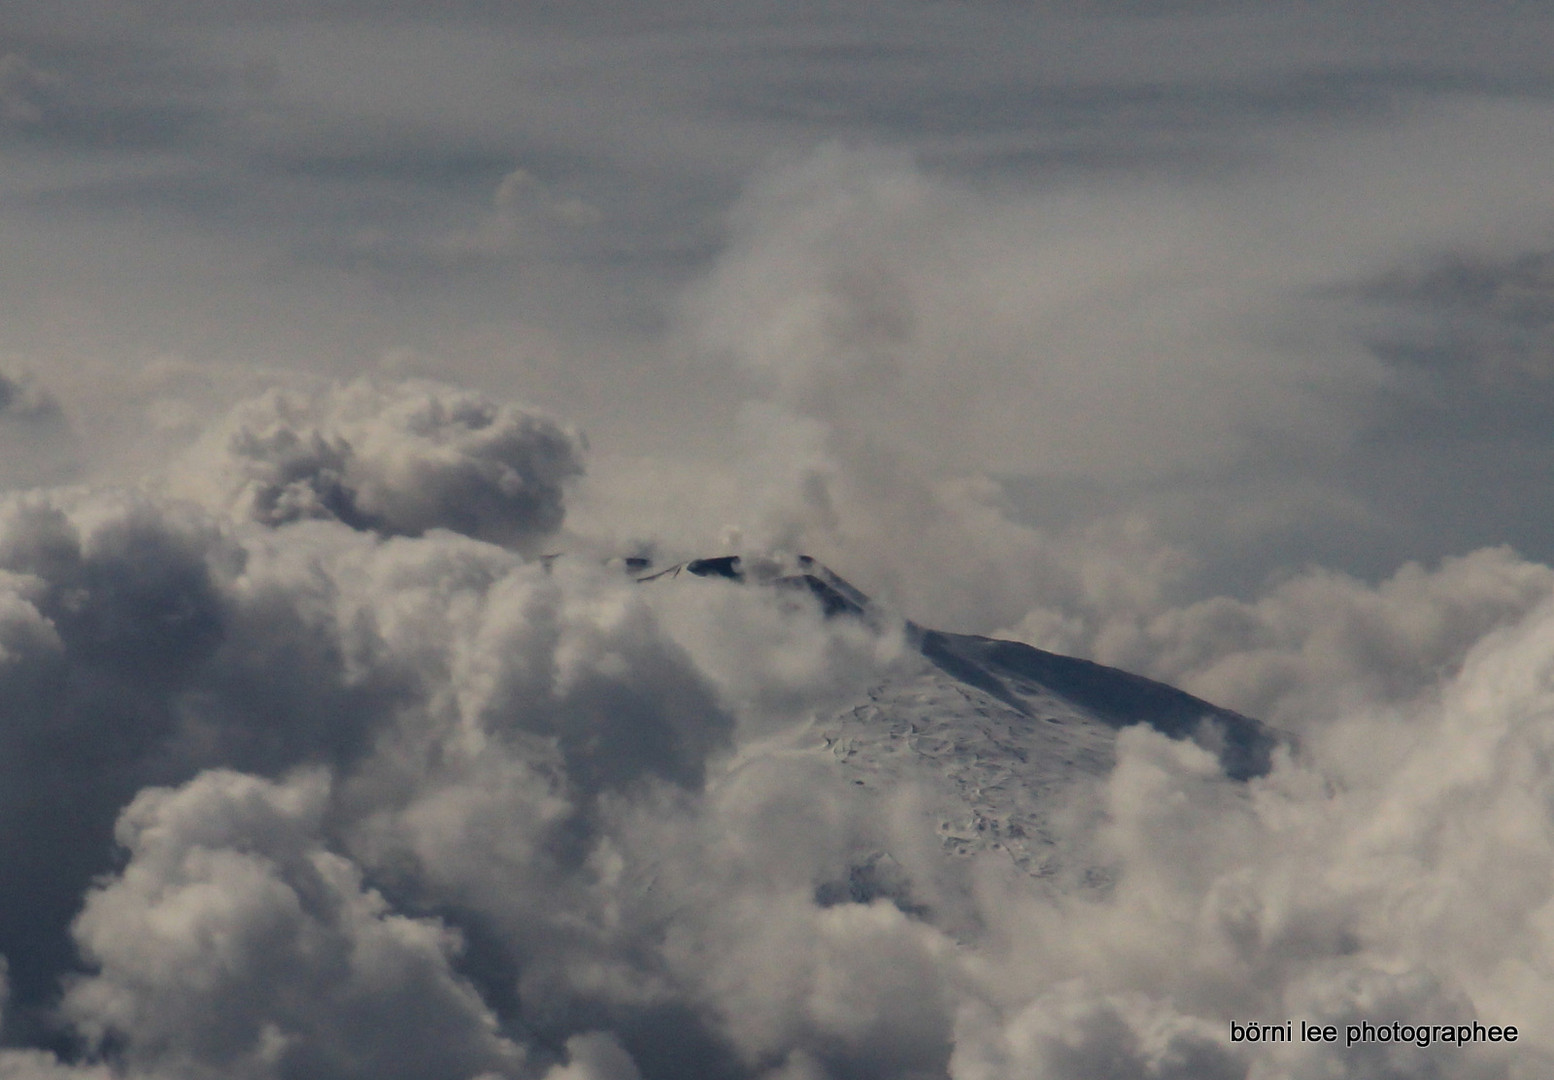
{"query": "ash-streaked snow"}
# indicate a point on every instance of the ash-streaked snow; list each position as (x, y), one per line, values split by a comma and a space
(1012, 756)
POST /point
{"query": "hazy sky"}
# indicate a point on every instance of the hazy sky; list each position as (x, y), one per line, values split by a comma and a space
(1275, 277)
(1210, 340)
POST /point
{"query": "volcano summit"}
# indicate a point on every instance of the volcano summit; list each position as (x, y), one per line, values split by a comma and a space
(1009, 736)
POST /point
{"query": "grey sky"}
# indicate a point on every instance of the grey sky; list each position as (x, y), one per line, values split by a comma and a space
(521, 197)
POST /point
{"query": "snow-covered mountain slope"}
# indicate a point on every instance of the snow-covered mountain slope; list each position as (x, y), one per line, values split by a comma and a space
(1008, 741)
(1015, 741)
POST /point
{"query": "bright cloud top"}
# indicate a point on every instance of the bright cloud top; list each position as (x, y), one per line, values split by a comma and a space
(396, 461)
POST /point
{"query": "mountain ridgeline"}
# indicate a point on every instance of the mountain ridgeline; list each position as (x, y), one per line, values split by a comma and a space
(1025, 679)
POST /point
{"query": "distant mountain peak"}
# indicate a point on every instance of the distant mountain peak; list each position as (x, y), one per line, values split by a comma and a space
(1010, 735)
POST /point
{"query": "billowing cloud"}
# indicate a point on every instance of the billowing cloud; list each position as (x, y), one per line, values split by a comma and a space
(410, 803)
(1318, 644)
(102, 633)
(234, 944)
(1210, 343)
(396, 461)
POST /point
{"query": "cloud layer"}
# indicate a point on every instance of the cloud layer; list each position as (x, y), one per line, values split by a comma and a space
(1209, 341)
(302, 795)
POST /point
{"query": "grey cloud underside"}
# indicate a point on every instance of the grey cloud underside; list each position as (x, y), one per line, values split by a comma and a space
(298, 794)
(152, 664)
(480, 745)
(139, 663)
